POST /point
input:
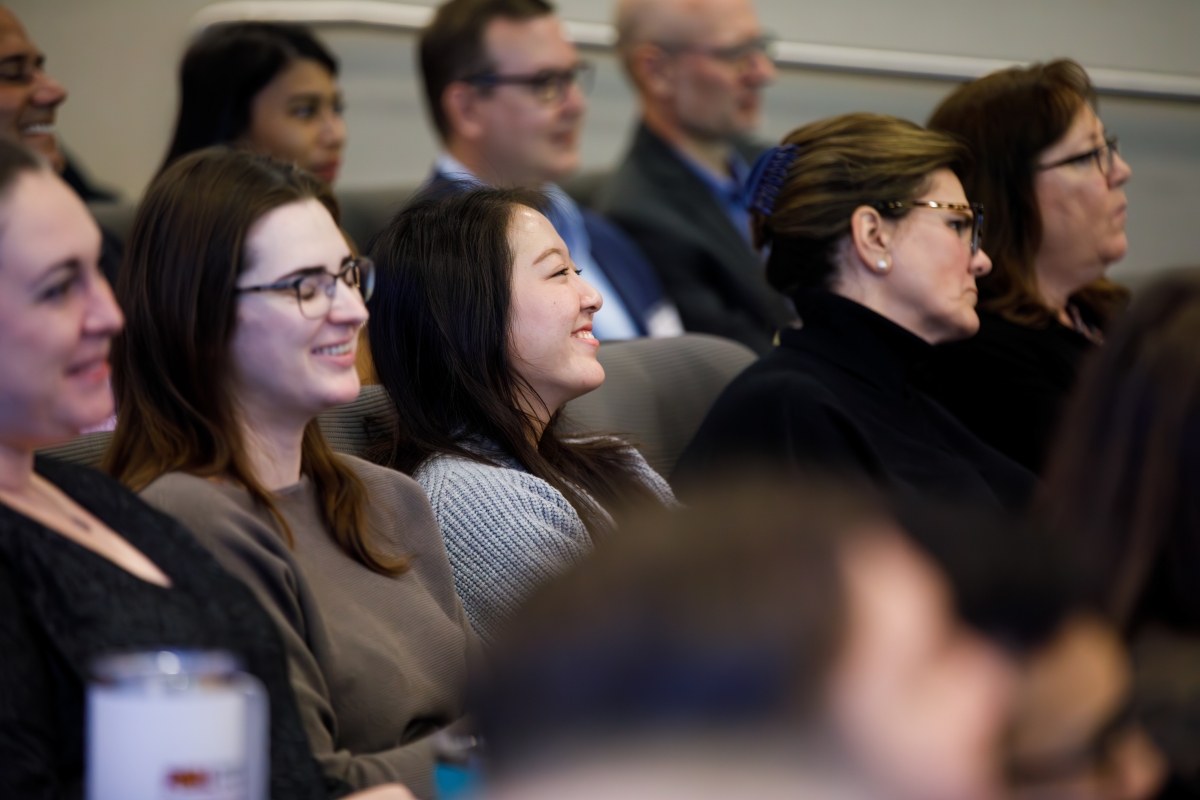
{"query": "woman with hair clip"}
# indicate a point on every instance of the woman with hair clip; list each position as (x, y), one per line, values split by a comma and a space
(1123, 485)
(86, 568)
(481, 331)
(244, 305)
(873, 238)
(1053, 182)
(266, 87)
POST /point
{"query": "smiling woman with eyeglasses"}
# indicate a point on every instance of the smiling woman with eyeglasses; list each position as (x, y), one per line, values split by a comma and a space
(1054, 179)
(873, 238)
(244, 308)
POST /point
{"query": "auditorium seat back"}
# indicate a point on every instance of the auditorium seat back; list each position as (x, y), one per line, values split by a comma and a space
(656, 392)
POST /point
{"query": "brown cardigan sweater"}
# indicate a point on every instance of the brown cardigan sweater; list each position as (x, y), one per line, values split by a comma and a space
(378, 663)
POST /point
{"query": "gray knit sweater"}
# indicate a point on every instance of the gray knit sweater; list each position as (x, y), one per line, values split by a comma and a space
(506, 531)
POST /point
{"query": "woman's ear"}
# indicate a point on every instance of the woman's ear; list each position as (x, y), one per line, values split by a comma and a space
(871, 236)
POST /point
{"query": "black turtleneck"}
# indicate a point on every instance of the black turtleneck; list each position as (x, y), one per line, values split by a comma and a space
(836, 395)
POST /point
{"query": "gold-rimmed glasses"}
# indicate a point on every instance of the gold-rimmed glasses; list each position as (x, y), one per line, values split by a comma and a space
(972, 235)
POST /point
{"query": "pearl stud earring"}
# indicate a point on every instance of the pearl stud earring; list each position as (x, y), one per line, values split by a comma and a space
(882, 266)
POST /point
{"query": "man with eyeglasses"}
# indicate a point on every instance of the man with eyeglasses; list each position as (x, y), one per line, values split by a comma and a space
(505, 90)
(699, 67)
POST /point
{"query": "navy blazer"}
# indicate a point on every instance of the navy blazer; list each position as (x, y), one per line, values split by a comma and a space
(613, 251)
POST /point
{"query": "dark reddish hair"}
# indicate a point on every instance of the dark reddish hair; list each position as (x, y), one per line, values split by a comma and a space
(1006, 120)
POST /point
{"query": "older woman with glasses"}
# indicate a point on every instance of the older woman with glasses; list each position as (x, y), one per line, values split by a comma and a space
(1052, 178)
(244, 306)
(873, 238)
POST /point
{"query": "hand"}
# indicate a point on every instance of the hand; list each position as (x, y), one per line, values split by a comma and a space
(389, 791)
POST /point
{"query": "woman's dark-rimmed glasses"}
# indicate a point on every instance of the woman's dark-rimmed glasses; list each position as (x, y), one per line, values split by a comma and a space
(314, 288)
(1105, 156)
(974, 210)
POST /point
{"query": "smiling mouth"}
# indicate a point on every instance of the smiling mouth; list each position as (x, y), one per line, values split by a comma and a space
(334, 349)
(38, 129)
(582, 335)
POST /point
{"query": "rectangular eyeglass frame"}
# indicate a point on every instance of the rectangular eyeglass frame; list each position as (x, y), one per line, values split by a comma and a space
(976, 210)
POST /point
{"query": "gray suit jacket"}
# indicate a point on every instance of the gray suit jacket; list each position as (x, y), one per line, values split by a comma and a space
(707, 269)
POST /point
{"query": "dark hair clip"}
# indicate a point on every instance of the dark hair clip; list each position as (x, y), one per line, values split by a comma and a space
(767, 176)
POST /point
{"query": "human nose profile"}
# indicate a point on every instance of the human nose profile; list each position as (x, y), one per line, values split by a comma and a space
(347, 306)
(980, 264)
(47, 92)
(762, 69)
(590, 299)
(1121, 171)
(103, 317)
(574, 102)
(333, 129)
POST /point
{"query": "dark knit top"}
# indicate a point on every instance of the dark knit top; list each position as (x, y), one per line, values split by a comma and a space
(62, 605)
(836, 395)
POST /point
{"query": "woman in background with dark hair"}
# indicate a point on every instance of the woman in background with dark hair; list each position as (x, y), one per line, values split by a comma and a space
(1123, 485)
(244, 305)
(875, 241)
(1052, 181)
(266, 87)
(481, 331)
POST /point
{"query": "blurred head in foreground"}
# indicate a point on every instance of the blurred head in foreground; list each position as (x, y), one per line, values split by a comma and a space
(795, 634)
(1070, 733)
(266, 87)
(784, 641)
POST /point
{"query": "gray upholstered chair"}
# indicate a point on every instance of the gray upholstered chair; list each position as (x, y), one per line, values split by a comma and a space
(656, 392)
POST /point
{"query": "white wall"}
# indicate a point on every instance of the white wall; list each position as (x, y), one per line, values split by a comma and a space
(118, 58)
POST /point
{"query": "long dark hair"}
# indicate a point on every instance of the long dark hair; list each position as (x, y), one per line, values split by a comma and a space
(1007, 119)
(171, 365)
(222, 72)
(1123, 480)
(439, 333)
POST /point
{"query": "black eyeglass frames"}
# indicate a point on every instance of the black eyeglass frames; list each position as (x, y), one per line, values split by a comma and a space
(971, 236)
(315, 288)
(549, 86)
(1105, 157)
